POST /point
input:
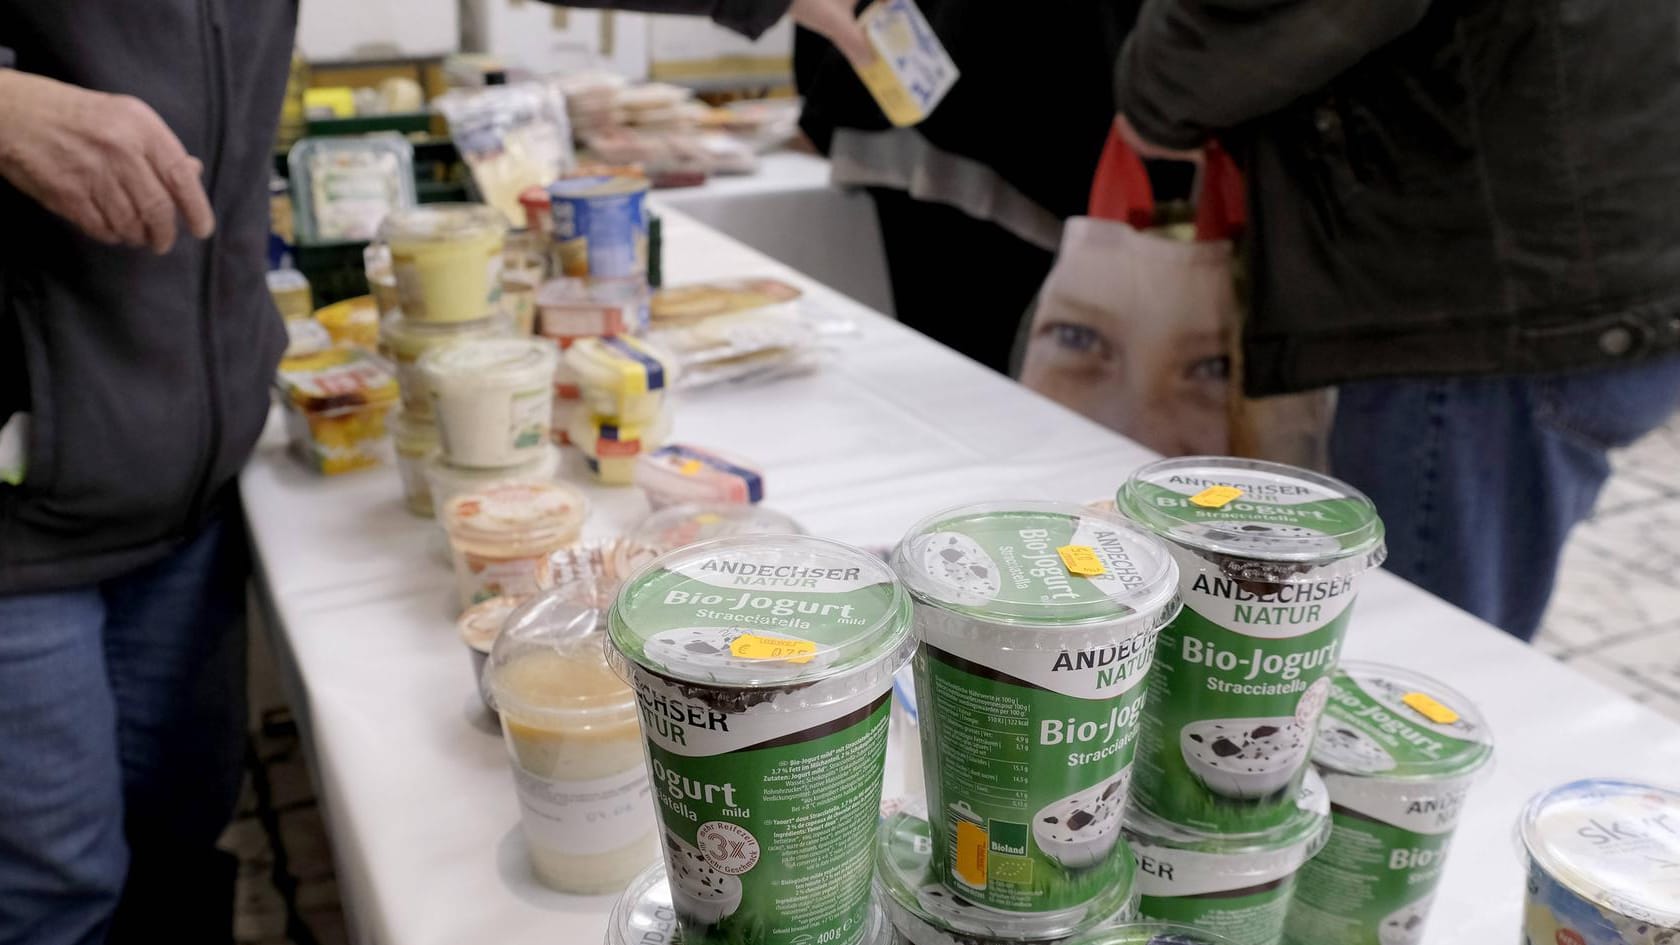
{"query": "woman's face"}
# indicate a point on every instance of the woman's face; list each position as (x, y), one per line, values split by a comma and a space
(1156, 373)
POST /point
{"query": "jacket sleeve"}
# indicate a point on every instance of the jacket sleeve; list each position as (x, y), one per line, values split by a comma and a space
(750, 18)
(8, 59)
(1192, 68)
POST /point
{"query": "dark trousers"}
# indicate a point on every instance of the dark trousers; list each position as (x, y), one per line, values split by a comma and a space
(963, 282)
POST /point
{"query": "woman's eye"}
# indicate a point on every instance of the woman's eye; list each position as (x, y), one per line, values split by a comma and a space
(1209, 369)
(1081, 338)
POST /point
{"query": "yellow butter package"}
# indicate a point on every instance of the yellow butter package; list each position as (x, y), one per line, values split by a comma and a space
(911, 72)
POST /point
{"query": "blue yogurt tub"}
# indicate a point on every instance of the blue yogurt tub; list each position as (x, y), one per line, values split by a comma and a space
(1603, 865)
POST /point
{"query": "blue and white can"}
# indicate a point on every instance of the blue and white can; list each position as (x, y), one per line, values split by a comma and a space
(600, 226)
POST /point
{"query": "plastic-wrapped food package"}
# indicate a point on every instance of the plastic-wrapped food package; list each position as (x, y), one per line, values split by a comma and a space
(337, 403)
(739, 330)
(512, 137)
(343, 187)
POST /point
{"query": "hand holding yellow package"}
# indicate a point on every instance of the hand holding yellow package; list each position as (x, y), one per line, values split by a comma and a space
(911, 72)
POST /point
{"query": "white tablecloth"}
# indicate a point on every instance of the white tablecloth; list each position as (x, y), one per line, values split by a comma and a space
(416, 788)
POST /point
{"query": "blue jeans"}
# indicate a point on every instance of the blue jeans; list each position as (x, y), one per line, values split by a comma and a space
(122, 720)
(1479, 480)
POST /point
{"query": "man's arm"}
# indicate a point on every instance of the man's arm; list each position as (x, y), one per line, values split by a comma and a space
(1195, 67)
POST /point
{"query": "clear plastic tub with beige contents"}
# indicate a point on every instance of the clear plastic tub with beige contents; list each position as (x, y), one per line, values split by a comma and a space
(575, 748)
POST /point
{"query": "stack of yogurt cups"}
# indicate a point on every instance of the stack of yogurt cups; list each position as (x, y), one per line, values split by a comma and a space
(435, 273)
(1036, 625)
(1225, 807)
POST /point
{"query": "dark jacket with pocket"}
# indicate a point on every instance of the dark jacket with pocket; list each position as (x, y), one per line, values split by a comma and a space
(146, 376)
(1476, 187)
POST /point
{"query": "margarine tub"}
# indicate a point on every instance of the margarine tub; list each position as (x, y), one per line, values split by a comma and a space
(1603, 864)
(675, 474)
(1237, 886)
(621, 377)
(403, 342)
(446, 481)
(1398, 752)
(493, 399)
(416, 439)
(1037, 624)
(926, 911)
(645, 915)
(569, 722)
(446, 259)
(611, 448)
(1150, 933)
(1269, 558)
(763, 667)
(503, 534)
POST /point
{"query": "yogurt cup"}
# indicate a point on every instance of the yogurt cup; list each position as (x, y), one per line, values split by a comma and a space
(621, 377)
(493, 399)
(1037, 623)
(479, 626)
(446, 481)
(644, 915)
(353, 322)
(925, 911)
(1398, 753)
(675, 474)
(1603, 864)
(502, 536)
(611, 447)
(600, 226)
(1238, 887)
(416, 439)
(1269, 559)
(446, 259)
(763, 666)
(569, 722)
(1150, 933)
(290, 290)
(382, 282)
(403, 342)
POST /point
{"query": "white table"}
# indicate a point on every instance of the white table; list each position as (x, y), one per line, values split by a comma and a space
(416, 788)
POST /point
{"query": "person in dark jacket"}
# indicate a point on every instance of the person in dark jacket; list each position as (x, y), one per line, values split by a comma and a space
(1462, 214)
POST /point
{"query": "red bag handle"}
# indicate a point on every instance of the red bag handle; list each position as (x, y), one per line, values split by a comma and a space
(1121, 191)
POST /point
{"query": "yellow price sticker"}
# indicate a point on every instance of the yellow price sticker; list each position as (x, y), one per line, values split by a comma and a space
(749, 647)
(1081, 559)
(1216, 497)
(1430, 708)
(971, 853)
(691, 467)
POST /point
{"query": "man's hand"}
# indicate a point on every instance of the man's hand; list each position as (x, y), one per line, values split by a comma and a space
(834, 21)
(106, 163)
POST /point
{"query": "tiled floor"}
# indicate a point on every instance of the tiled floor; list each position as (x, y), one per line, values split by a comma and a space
(1616, 616)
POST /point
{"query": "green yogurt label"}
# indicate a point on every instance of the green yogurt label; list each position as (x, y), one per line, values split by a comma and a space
(763, 669)
(1037, 626)
(1268, 580)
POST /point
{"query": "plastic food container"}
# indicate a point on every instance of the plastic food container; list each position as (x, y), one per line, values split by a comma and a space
(493, 399)
(404, 343)
(925, 911)
(676, 474)
(568, 404)
(446, 481)
(447, 259)
(416, 439)
(479, 626)
(1399, 753)
(1600, 857)
(600, 226)
(539, 214)
(522, 273)
(766, 664)
(337, 403)
(1269, 558)
(503, 534)
(569, 309)
(290, 290)
(382, 282)
(644, 915)
(611, 448)
(1236, 886)
(911, 71)
(570, 727)
(352, 322)
(621, 377)
(1150, 933)
(682, 525)
(343, 187)
(1044, 614)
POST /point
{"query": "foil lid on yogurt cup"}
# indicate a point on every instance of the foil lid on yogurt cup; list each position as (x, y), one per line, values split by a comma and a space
(1615, 844)
(1392, 723)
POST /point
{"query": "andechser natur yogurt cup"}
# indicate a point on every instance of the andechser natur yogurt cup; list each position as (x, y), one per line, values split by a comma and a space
(763, 667)
(1239, 887)
(926, 911)
(1603, 865)
(1269, 558)
(1398, 752)
(1036, 623)
(646, 915)
(1150, 933)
